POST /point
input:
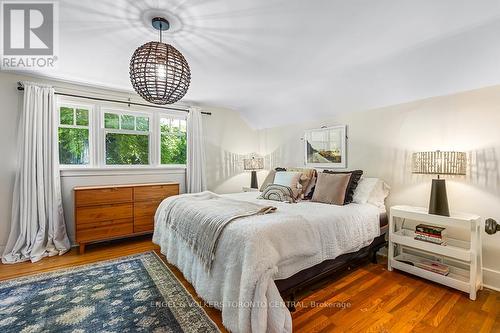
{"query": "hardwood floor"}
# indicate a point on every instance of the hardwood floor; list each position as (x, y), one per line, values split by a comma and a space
(368, 299)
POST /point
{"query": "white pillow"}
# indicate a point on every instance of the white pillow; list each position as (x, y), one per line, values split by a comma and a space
(363, 190)
(379, 193)
(372, 191)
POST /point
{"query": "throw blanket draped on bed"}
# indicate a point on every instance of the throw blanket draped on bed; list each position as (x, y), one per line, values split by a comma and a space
(199, 220)
(254, 251)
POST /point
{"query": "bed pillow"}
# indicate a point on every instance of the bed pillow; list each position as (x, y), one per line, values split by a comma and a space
(268, 180)
(379, 193)
(364, 189)
(353, 183)
(371, 190)
(307, 179)
(290, 179)
(331, 188)
(278, 193)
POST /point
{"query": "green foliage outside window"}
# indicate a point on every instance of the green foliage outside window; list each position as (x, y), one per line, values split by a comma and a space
(66, 116)
(173, 144)
(127, 149)
(111, 120)
(73, 145)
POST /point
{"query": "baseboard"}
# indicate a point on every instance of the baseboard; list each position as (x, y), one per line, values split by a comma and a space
(491, 279)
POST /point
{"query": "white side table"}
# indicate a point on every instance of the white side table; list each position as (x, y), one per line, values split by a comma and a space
(458, 252)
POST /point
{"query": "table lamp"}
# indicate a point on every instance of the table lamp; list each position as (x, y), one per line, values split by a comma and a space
(439, 163)
(253, 164)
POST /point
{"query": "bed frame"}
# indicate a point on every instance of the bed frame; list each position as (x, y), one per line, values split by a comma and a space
(304, 279)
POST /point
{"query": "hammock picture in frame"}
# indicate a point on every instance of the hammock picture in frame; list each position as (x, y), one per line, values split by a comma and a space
(326, 147)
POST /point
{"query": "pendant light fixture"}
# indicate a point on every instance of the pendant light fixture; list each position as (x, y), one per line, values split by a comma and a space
(158, 71)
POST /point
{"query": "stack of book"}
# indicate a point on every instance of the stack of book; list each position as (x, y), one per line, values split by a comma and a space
(431, 234)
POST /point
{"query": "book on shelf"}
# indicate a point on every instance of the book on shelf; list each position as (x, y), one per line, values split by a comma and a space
(431, 230)
(433, 240)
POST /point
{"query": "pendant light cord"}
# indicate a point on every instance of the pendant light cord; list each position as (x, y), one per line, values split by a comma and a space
(160, 30)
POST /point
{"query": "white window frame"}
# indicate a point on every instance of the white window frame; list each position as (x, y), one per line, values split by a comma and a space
(74, 106)
(97, 134)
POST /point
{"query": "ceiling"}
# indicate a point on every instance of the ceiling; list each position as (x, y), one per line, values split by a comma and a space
(284, 61)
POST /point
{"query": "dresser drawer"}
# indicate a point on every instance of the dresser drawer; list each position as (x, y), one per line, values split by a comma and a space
(93, 214)
(105, 231)
(144, 223)
(103, 196)
(145, 208)
(155, 192)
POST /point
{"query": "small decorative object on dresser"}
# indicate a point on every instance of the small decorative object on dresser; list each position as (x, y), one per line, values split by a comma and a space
(457, 265)
(439, 163)
(115, 211)
(253, 164)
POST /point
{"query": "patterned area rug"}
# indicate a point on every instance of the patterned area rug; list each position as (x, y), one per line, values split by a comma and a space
(130, 294)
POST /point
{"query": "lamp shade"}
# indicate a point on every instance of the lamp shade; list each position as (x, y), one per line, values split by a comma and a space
(440, 162)
(254, 163)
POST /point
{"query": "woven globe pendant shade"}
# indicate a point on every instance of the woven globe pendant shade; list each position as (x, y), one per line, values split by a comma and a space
(159, 72)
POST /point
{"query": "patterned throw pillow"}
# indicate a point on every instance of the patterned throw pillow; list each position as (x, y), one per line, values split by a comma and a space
(277, 192)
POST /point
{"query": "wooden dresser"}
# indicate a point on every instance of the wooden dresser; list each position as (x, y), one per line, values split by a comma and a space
(116, 211)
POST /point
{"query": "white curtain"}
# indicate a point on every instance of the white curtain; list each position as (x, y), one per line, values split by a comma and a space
(37, 225)
(195, 176)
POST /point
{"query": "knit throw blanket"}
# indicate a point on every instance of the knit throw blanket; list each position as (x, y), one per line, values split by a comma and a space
(199, 220)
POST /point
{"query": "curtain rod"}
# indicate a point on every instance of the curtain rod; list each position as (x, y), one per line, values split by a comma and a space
(21, 88)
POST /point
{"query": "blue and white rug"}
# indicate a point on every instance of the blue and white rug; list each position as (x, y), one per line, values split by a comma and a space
(130, 294)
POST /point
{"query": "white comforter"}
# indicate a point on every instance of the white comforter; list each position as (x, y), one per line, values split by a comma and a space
(254, 251)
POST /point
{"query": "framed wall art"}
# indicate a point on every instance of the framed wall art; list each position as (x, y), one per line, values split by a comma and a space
(326, 147)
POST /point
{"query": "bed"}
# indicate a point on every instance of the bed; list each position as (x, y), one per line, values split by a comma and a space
(262, 259)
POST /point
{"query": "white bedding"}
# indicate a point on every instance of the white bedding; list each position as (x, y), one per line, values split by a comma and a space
(254, 251)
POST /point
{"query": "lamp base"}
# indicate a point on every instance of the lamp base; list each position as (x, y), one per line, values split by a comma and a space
(438, 204)
(253, 182)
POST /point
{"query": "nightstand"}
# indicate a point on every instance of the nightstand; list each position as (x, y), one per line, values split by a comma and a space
(464, 257)
(249, 189)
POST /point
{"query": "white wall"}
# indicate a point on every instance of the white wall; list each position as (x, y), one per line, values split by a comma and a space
(381, 142)
(227, 137)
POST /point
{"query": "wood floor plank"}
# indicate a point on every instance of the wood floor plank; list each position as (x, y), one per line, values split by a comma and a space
(379, 300)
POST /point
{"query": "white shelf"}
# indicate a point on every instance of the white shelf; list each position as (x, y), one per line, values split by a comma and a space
(457, 278)
(455, 248)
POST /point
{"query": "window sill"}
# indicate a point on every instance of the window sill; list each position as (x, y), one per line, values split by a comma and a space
(122, 170)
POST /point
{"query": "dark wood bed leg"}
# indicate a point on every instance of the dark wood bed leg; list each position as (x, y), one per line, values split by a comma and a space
(290, 303)
(373, 256)
(374, 250)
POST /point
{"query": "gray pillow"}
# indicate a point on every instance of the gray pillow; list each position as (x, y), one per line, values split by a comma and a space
(277, 192)
(331, 188)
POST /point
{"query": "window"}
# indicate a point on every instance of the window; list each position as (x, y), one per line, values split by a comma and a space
(74, 135)
(127, 139)
(96, 136)
(173, 141)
